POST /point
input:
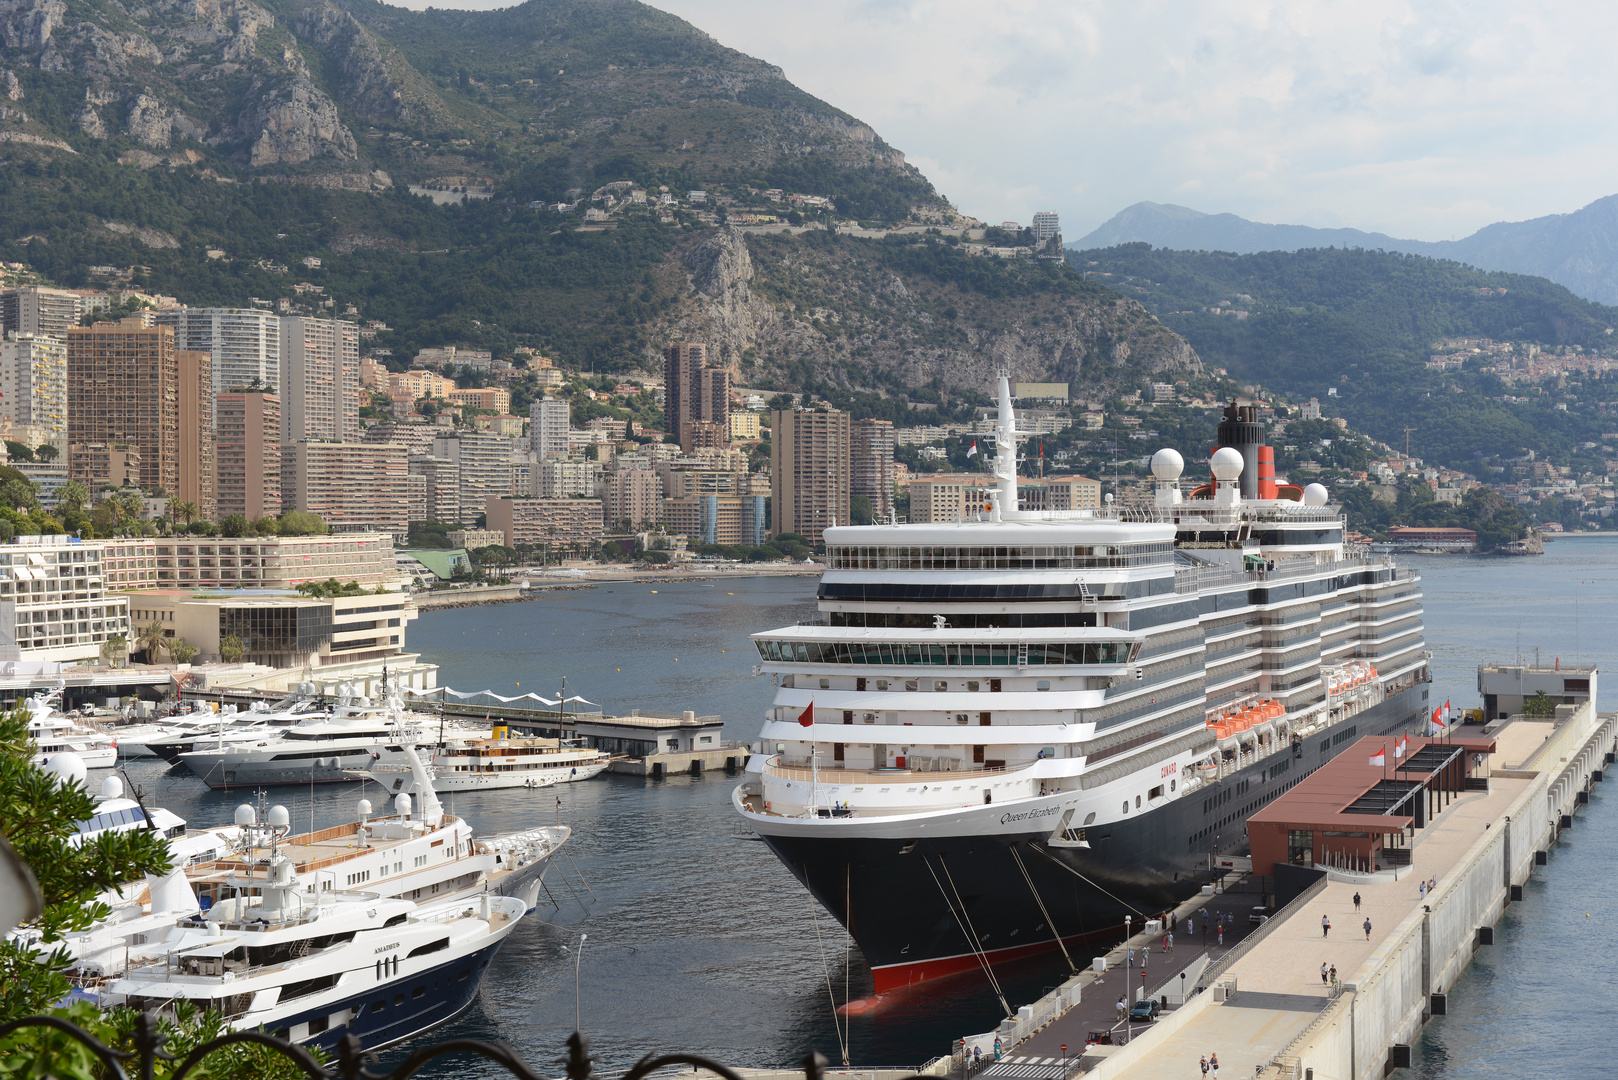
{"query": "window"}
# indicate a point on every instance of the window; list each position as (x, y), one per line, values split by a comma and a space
(1042, 684)
(941, 686)
(1137, 802)
(972, 686)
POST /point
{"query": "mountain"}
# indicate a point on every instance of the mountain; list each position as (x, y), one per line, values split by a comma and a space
(1578, 250)
(221, 150)
(1365, 323)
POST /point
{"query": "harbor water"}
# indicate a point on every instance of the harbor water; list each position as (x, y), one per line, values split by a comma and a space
(700, 940)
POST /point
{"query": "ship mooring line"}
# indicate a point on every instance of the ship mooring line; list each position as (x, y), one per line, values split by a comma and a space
(825, 965)
(1026, 876)
(1088, 882)
(971, 934)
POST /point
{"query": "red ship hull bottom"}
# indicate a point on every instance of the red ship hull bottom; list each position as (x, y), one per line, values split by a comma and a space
(893, 977)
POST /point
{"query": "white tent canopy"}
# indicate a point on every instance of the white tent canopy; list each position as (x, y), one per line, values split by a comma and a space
(498, 697)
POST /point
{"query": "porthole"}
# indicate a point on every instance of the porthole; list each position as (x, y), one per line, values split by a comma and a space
(1137, 802)
(1126, 806)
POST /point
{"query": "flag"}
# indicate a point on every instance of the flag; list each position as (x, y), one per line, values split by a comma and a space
(1436, 721)
(1400, 747)
(974, 449)
(807, 717)
(1380, 758)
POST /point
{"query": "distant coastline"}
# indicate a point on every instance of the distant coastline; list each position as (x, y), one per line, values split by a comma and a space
(536, 586)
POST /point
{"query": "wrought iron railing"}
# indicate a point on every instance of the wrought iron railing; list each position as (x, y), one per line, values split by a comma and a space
(354, 1063)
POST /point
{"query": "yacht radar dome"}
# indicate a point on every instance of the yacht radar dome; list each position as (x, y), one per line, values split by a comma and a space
(1227, 463)
(1315, 495)
(1167, 464)
(245, 816)
(401, 805)
(67, 768)
(112, 788)
(278, 817)
(365, 808)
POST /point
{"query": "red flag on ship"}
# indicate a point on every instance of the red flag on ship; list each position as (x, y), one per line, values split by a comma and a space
(1380, 758)
(807, 717)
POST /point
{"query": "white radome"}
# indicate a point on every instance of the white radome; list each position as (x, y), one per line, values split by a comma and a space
(1227, 463)
(1167, 464)
(1315, 495)
(67, 767)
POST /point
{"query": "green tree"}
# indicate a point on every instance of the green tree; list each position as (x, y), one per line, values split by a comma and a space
(234, 525)
(182, 511)
(47, 452)
(231, 648)
(19, 495)
(19, 451)
(1540, 706)
(38, 812)
(72, 496)
(182, 650)
(115, 649)
(302, 523)
(150, 639)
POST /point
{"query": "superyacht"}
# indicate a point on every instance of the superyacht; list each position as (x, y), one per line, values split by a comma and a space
(1011, 732)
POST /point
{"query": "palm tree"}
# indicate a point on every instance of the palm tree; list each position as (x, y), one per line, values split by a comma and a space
(185, 510)
(72, 496)
(114, 649)
(149, 639)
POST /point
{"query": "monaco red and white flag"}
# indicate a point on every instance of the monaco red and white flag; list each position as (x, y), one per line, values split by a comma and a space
(974, 448)
(1436, 721)
(1400, 747)
(1380, 758)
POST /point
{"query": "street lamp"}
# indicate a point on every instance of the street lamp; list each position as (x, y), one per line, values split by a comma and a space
(578, 958)
(1129, 963)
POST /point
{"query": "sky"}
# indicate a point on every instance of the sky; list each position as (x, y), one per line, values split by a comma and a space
(1425, 121)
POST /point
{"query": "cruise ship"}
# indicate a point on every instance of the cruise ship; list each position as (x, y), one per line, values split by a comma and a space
(1021, 728)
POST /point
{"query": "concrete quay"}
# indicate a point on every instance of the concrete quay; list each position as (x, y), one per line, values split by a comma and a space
(1269, 1015)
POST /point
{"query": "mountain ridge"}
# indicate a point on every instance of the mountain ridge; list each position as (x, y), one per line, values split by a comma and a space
(1578, 250)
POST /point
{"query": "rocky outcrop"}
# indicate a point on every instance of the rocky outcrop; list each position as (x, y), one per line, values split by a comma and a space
(366, 85)
(29, 24)
(10, 85)
(292, 123)
(152, 238)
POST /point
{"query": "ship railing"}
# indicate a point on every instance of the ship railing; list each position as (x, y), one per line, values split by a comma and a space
(837, 774)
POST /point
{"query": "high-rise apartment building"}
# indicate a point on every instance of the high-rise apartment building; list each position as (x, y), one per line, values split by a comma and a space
(809, 472)
(440, 487)
(247, 459)
(718, 519)
(870, 464)
(34, 309)
(565, 478)
(631, 499)
(554, 523)
(53, 604)
(484, 462)
(197, 478)
(354, 487)
(1046, 225)
(695, 392)
(103, 465)
(320, 381)
(549, 420)
(33, 389)
(244, 345)
(126, 385)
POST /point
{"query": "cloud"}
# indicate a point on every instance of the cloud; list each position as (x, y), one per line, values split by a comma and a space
(1419, 119)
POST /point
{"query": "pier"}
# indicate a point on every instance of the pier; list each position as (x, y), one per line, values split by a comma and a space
(1494, 804)
(642, 744)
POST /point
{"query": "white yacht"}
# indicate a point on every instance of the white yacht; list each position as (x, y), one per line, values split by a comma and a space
(1027, 724)
(314, 967)
(482, 764)
(54, 733)
(326, 748)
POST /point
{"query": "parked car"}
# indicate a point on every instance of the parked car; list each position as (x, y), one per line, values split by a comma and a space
(1260, 914)
(1145, 1010)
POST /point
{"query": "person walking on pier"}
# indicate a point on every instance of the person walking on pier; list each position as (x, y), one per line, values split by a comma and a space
(1213, 1065)
(1367, 929)
(1221, 933)
(1356, 903)
(1325, 926)
(1323, 973)
(1123, 1008)
(1334, 976)
(1204, 1064)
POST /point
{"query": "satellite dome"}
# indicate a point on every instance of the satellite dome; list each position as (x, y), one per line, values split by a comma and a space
(1227, 463)
(1315, 495)
(1167, 464)
(278, 816)
(245, 815)
(68, 768)
(401, 804)
(365, 808)
(112, 788)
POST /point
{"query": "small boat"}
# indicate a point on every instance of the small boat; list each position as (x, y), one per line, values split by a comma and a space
(483, 764)
(55, 733)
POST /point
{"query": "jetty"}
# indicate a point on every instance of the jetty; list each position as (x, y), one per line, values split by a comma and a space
(1436, 843)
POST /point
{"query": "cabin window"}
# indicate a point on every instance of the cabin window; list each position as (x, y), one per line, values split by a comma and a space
(941, 686)
(973, 686)
(1137, 802)
(1043, 684)
(1155, 793)
(825, 684)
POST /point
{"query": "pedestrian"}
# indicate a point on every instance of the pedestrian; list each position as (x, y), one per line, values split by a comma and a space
(1190, 927)
(1325, 926)
(1171, 941)
(997, 1048)
(1334, 976)
(1165, 945)
(1356, 902)
(1432, 884)
(1323, 973)
(1367, 929)
(1423, 890)
(1122, 1008)
(1204, 1064)
(1213, 1066)
(977, 1056)
(1221, 933)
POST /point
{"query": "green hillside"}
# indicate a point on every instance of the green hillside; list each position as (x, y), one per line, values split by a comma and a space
(1364, 323)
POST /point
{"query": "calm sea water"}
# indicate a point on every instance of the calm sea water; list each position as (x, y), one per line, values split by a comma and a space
(701, 941)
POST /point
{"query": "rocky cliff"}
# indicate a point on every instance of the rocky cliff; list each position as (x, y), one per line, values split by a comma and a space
(883, 315)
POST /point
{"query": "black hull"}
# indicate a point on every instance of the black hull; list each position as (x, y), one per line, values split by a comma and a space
(911, 911)
(446, 991)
